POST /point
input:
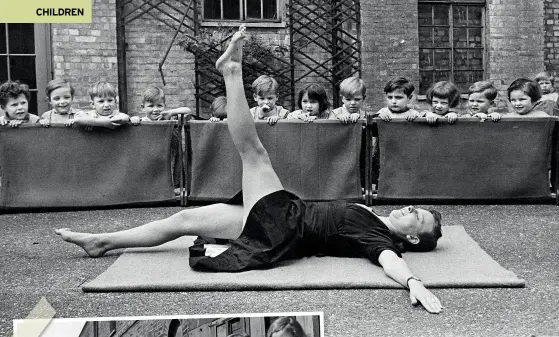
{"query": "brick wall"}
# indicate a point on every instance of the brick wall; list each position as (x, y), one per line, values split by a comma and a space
(86, 53)
(551, 50)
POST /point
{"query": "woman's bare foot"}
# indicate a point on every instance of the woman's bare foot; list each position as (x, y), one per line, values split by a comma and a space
(234, 52)
(91, 243)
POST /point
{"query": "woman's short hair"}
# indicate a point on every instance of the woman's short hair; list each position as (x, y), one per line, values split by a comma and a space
(315, 92)
(427, 240)
(444, 89)
(287, 324)
(530, 88)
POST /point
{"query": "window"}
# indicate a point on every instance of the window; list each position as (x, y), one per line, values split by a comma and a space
(23, 57)
(241, 10)
(112, 328)
(451, 44)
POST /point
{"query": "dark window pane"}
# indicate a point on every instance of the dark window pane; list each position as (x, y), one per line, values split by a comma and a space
(460, 38)
(3, 68)
(441, 15)
(461, 79)
(425, 15)
(212, 9)
(21, 38)
(33, 102)
(3, 38)
(461, 59)
(425, 37)
(426, 78)
(22, 68)
(442, 38)
(474, 40)
(442, 59)
(442, 76)
(460, 15)
(231, 9)
(270, 10)
(426, 59)
(253, 9)
(474, 16)
(476, 58)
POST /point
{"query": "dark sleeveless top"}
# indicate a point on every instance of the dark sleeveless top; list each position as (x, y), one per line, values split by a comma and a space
(281, 226)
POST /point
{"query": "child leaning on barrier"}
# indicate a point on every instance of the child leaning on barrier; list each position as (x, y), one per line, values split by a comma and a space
(523, 95)
(153, 106)
(481, 101)
(398, 93)
(264, 91)
(352, 90)
(104, 104)
(313, 104)
(60, 95)
(14, 100)
(218, 109)
(443, 97)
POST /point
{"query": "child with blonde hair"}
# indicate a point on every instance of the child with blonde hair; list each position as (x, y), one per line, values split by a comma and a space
(264, 91)
(481, 100)
(352, 90)
(104, 104)
(443, 97)
(218, 109)
(547, 85)
(60, 95)
(14, 100)
(313, 104)
(153, 107)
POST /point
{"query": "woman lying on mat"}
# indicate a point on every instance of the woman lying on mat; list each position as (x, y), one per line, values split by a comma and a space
(275, 225)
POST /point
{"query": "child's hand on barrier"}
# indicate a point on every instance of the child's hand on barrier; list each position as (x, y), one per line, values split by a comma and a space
(354, 117)
(482, 117)
(431, 117)
(119, 120)
(15, 123)
(272, 120)
(452, 117)
(344, 118)
(495, 116)
(308, 119)
(414, 115)
(44, 122)
(3, 121)
(135, 120)
(69, 122)
(385, 116)
(214, 119)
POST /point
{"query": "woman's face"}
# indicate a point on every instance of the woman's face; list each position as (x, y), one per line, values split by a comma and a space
(310, 106)
(521, 103)
(411, 221)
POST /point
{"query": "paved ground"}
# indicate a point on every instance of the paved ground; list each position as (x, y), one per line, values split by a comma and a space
(522, 238)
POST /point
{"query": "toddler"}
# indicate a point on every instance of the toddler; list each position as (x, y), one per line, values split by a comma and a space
(218, 109)
(153, 106)
(481, 101)
(313, 104)
(443, 97)
(264, 90)
(105, 113)
(352, 90)
(523, 95)
(60, 95)
(14, 100)
(547, 85)
(398, 93)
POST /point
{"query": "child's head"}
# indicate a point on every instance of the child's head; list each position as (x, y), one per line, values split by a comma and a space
(14, 99)
(523, 95)
(546, 82)
(352, 90)
(219, 107)
(103, 98)
(60, 95)
(153, 102)
(482, 95)
(442, 96)
(285, 327)
(398, 93)
(313, 100)
(264, 91)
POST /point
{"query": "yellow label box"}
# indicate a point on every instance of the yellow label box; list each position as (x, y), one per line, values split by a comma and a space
(45, 11)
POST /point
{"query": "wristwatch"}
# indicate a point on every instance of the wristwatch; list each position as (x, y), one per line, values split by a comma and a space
(412, 278)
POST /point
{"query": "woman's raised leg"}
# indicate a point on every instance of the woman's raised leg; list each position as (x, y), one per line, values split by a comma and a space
(258, 177)
(221, 221)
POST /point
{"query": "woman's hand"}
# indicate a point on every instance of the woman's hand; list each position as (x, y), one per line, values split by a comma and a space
(420, 294)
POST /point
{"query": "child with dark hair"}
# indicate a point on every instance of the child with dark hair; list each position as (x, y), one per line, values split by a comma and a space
(547, 84)
(218, 109)
(60, 95)
(313, 104)
(353, 91)
(398, 92)
(523, 95)
(14, 100)
(481, 101)
(443, 97)
(264, 91)
(104, 104)
(153, 106)
(286, 327)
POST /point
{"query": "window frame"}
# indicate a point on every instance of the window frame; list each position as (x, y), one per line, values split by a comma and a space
(451, 27)
(243, 8)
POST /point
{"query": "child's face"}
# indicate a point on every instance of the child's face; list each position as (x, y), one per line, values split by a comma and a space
(397, 100)
(310, 106)
(61, 100)
(17, 108)
(478, 103)
(153, 109)
(267, 101)
(546, 86)
(353, 104)
(521, 102)
(440, 106)
(104, 105)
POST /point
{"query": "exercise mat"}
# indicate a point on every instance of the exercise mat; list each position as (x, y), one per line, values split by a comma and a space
(457, 262)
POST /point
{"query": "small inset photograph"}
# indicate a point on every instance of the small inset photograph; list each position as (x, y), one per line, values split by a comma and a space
(245, 325)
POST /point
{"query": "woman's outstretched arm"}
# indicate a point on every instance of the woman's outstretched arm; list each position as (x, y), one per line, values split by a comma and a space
(397, 269)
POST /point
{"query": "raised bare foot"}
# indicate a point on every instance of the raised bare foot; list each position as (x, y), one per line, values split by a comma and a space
(234, 52)
(92, 245)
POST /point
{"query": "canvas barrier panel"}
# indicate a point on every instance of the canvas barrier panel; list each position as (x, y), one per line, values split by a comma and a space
(468, 160)
(316, 161)
(70, 167)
